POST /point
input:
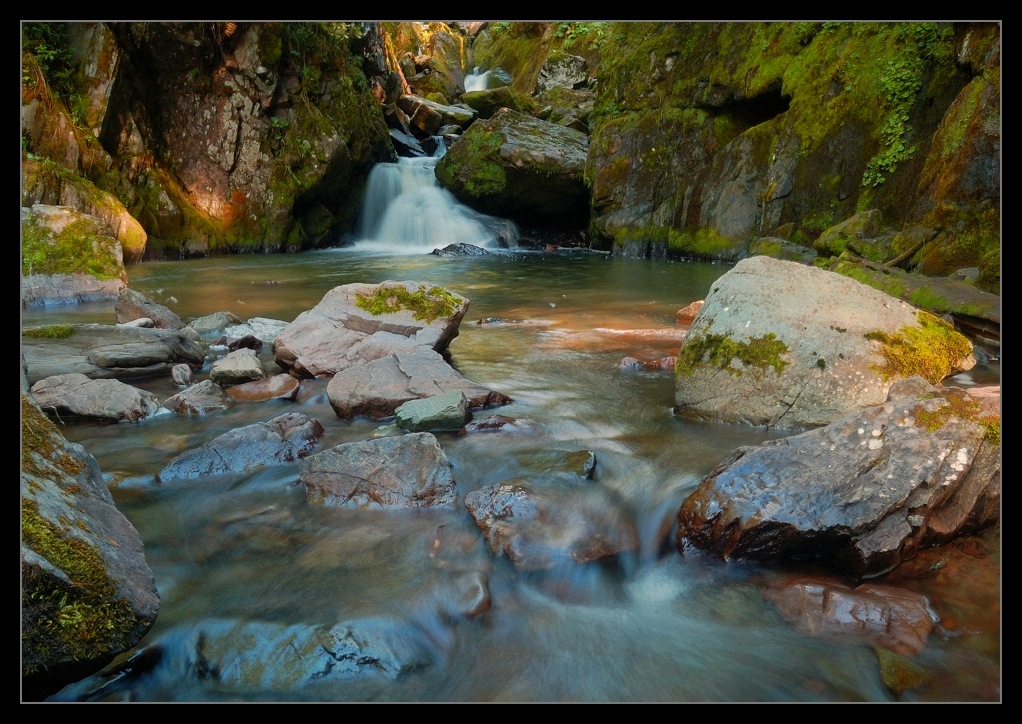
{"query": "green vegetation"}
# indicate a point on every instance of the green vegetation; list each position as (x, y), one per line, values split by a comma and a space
(721, 350)
(48, 42)
(53, 331)
(426, 304)
(77, 249)
(932, 350)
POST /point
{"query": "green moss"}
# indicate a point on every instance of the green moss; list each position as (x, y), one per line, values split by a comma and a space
(76, 249)
(52, 331)
(704, 243)
(932, 350)
(721, 350)
(426, 304)
(958, 405)
(81, 617)
(74, 620)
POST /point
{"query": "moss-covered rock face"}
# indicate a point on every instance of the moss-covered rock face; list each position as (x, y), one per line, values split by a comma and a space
(825, 120)
(722, 351)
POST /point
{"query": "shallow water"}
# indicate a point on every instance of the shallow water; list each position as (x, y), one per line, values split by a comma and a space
(656, 626)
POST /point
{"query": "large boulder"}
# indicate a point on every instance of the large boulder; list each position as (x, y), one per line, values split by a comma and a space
(519, 167)
(785, 345)
(862, 494)
(68, 257)
(87, 593)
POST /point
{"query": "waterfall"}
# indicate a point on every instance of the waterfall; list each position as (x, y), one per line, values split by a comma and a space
(405, 210)
(476, 81)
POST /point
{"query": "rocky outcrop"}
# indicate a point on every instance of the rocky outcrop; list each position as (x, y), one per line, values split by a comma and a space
(87, 592)
(785, 345)
(101, 351)
(709, 135)
(862, 494)
(519, 167)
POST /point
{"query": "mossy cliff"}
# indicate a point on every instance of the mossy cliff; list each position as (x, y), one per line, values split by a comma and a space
(733, 131)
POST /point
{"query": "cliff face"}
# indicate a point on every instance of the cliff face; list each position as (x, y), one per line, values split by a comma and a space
(218, 137)
(708, 135)
(233, 137)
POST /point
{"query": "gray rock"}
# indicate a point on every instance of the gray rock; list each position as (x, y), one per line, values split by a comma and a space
(132, 305)
(283, 439)
(103, 351)
(786, 345)
(76, 394)
(376, 389)
(200, 399)
(861, 494)
(213, 325)
(249, 657)
(540, 526)
(407, 471)
(237, 367)
(446, 412)
(182, 375)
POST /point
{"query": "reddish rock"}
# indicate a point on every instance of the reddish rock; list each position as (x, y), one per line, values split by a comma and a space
(278, 387)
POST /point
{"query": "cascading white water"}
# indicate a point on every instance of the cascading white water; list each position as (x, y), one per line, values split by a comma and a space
(405, 210)
(476, 81)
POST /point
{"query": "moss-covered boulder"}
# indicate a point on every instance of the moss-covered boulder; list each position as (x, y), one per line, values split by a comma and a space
(87, 593)
(519, 167)
(68, 257)
(785, 345)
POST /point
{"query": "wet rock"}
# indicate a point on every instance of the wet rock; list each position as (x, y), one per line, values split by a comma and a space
(283, 439)
(540, 527)
(440, 413)
(276, 387)
(408, 471)
(236, 368)
(860, 495)
(200, 399)
(132, 305)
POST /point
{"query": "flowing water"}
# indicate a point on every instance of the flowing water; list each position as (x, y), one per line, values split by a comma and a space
(657, 626)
